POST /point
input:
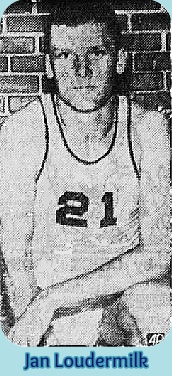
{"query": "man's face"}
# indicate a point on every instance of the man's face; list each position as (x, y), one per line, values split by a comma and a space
(83, 64)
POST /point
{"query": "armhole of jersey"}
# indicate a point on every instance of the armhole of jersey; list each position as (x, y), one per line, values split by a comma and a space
(129, 136)
(46, 134)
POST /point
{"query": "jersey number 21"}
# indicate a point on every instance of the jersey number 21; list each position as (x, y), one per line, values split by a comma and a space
(81, 208)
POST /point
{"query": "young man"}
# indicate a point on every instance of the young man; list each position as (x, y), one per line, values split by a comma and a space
(85, 178)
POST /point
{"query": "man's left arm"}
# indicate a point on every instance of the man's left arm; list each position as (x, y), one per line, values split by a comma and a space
(155, 193)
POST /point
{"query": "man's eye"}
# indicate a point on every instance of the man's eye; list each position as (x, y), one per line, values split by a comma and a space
(98, 53)
(62, 55)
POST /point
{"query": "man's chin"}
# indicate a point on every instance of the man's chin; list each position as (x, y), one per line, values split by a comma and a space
(84, 106)
(80, 104)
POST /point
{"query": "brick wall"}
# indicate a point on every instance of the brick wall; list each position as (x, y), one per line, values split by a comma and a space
(145, 35)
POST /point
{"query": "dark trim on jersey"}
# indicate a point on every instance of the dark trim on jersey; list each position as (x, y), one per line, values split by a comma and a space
(129, 122)
(83, 161)
(47, 142)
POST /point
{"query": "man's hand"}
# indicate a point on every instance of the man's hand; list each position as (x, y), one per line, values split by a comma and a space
(30, 327)
(33, 324)
(21, 285)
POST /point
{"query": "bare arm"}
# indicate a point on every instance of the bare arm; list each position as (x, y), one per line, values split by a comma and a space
(155, 191)
(18, 170)
(88, 290)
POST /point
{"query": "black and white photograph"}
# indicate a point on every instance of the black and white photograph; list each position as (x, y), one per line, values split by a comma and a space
(85, 173)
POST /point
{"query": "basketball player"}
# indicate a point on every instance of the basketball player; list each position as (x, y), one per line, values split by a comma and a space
(85, 176)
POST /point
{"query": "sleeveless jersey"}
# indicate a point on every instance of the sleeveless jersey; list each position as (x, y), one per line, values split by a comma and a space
(84, 215)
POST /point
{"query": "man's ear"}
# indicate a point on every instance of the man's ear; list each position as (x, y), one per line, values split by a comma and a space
(121, 61)
(48, 67)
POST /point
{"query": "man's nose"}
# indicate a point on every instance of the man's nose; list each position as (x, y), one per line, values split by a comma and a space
(82, 66)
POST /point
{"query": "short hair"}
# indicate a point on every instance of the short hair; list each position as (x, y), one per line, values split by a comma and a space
(76, 12)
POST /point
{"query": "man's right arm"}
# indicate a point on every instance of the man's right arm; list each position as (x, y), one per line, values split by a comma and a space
(19, 163)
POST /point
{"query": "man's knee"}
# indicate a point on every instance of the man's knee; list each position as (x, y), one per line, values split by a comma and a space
(149, 304)
(141, 310)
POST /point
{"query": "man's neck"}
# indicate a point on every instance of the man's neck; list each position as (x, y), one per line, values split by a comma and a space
(92, 126)
(89, 135)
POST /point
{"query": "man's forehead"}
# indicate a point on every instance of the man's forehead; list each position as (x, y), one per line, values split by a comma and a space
(83, 34)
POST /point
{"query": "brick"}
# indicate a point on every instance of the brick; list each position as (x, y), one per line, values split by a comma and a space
(22, 84)
(151, 101)
(27, 64)
(141, 42)
(19, 7)
(168, 78)
(147, 81)
(122, 4)
(136, 4)
(3, 64)
(168, 42)
(156, 21)
(16, 103)
(43, 7)
(122, 19)
(26, 23)
(155, 61)
(2, 104)
(17, 45)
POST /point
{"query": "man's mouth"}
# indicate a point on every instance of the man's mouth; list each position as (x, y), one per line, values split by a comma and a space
(90, 87)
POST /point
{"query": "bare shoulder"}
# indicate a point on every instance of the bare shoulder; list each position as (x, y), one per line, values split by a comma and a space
(22, 135)
(24, 122)
(150, 126)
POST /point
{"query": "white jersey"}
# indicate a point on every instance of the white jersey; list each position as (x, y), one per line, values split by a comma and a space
(84, 215)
